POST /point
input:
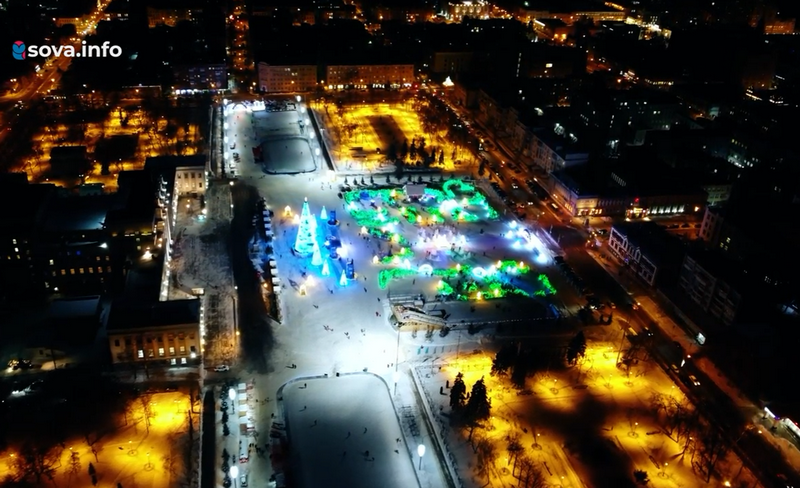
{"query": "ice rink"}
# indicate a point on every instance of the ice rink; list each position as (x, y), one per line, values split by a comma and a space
(343, 432)
(283, 141)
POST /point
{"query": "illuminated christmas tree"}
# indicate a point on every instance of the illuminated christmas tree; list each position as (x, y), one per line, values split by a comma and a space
(316, 259)
(306, 232)
(324, 214)
(326, 270)
(343, 279)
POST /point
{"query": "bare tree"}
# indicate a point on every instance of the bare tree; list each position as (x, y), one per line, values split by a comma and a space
(513, 447)
(37, 461)
(530, 474)
(712, 447)
(487, 454)
(146, 401)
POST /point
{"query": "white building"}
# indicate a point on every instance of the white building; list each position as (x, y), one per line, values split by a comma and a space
(286, 78)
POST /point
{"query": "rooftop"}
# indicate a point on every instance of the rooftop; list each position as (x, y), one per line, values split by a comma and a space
(78, 213)
(124, 315)
(641, 180)
(654, 241)
(25, 203)
(74, 308)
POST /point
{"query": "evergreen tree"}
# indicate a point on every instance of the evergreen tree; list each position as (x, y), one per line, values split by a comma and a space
(478, 406)
(576, 348)
(404, 149)
(503, 360)
(441, 157)
(412, 151)
(458, 393)
(519, 371)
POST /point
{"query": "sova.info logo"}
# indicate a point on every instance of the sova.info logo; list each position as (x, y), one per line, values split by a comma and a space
(18, 50)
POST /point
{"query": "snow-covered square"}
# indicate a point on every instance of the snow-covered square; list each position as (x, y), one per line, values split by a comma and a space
(343, 432)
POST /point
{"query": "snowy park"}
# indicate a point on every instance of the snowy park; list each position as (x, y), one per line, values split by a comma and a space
(343, 432)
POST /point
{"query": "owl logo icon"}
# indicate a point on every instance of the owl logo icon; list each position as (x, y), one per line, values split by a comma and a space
(18, 50)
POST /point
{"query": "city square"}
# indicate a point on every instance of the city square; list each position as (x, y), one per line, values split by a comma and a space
(412, 244)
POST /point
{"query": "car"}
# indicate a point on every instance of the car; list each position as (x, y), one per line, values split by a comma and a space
(243, 480)
(222, 368)
(674, 368)
(514, 183)
(233, 146)
(693, 379)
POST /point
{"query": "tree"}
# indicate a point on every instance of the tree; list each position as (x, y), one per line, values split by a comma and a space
(412, 150)
(146, 400)
(530, 474)
(36, 461)
(458, 393)
(513, 447)
(519, 371)
(576, 348)
(712, 448)
(478, 406)
(487, 454)
(503, 360)
(404, 149)
(641, 477)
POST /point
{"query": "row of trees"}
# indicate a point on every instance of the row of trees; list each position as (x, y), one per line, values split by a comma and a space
(471, 410)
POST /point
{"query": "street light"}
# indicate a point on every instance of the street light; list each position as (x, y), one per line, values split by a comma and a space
(232, 396)
(396, 378)
(420, 452)
(234, 473)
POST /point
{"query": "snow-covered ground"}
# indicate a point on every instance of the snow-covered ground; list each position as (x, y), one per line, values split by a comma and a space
(286, 156)
(343, 328)
(200, 260)
(343, 432)
(285, 138)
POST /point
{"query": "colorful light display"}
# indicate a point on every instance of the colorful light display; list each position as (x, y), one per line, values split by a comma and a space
(306, 232)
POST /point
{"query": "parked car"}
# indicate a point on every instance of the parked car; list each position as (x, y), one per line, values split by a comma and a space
(693, 379)
(222, 368)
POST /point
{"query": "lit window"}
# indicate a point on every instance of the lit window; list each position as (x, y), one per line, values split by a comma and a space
(51, 262)
(140, 354)
(161, 352)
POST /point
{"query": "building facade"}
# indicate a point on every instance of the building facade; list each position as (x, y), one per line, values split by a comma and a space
(203, 76)
(190, 180)
(647, 250)
(478, 9)
(369, 76)
(168, 333)
(286, 78)
(714, 295)
(445, 62)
